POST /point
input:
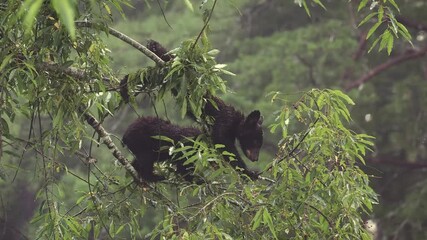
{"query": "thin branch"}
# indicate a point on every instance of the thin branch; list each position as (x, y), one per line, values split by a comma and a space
(348, 73)
(94, 201)
(206, 24)
(71, 71)
(163, 13)
(127, 40)
(291, 153)
(409, 55)
(323, 215)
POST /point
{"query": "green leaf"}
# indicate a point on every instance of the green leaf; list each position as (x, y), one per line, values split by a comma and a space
(163, 138)
(380, 13)
(66, 12)
(395, 28)
(318, 2)
(390, 44)
(374, 44)
(362, 4)
(405, 32)
(5, 61)
(80, 199)
(120, 229)
(189, 5)
(111, 229)
(373, 28)
(367, 18)
(266, 217)
(213, 52)
(384, 39)
(343, 96)
(30, 16)
(256, 221)
(394, 5)
(227, 72)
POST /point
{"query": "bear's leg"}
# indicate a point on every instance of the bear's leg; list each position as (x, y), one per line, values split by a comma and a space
(144, 165)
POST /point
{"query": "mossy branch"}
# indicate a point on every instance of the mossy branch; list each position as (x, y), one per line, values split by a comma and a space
(105, 138)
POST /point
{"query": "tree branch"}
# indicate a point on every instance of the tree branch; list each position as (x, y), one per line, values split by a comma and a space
(71, 71)
(105, 137)
(409, 55)
(348, 73)
(206, 24)
(127, 40)
(362, 46)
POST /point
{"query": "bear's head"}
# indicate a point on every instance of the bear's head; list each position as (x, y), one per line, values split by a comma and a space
(250, 135)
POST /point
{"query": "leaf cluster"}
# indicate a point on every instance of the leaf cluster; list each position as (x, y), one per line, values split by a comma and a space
(383, 14)
(191, 75)
(385, 17)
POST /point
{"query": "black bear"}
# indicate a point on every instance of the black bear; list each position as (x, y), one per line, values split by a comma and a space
(159, 50)
(148, 150)
(228, 125)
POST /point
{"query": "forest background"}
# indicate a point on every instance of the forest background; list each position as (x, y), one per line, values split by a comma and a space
(272, 45)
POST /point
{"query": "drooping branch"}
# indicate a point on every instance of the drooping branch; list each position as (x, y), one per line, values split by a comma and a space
(128, 40)
(105, 138)
(206, 24)
(409, 55)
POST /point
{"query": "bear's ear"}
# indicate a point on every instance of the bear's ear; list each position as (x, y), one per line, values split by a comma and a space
(254, 118)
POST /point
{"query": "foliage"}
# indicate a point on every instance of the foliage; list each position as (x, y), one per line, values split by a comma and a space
(384, 12)
(53, 73)
(316, 191)
(192, 74)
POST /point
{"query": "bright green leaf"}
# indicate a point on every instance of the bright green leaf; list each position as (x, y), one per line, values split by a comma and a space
(66, 12)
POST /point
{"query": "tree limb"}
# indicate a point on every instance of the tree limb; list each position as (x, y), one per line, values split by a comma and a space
(412, 54)
(128, 40)
(105, 137)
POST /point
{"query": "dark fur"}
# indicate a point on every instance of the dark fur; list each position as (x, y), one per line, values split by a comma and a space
(229, 125)
(159, 50)
(148, 150)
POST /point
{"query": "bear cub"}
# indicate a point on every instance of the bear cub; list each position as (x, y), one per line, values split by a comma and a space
(148, 150)
(228, 125)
